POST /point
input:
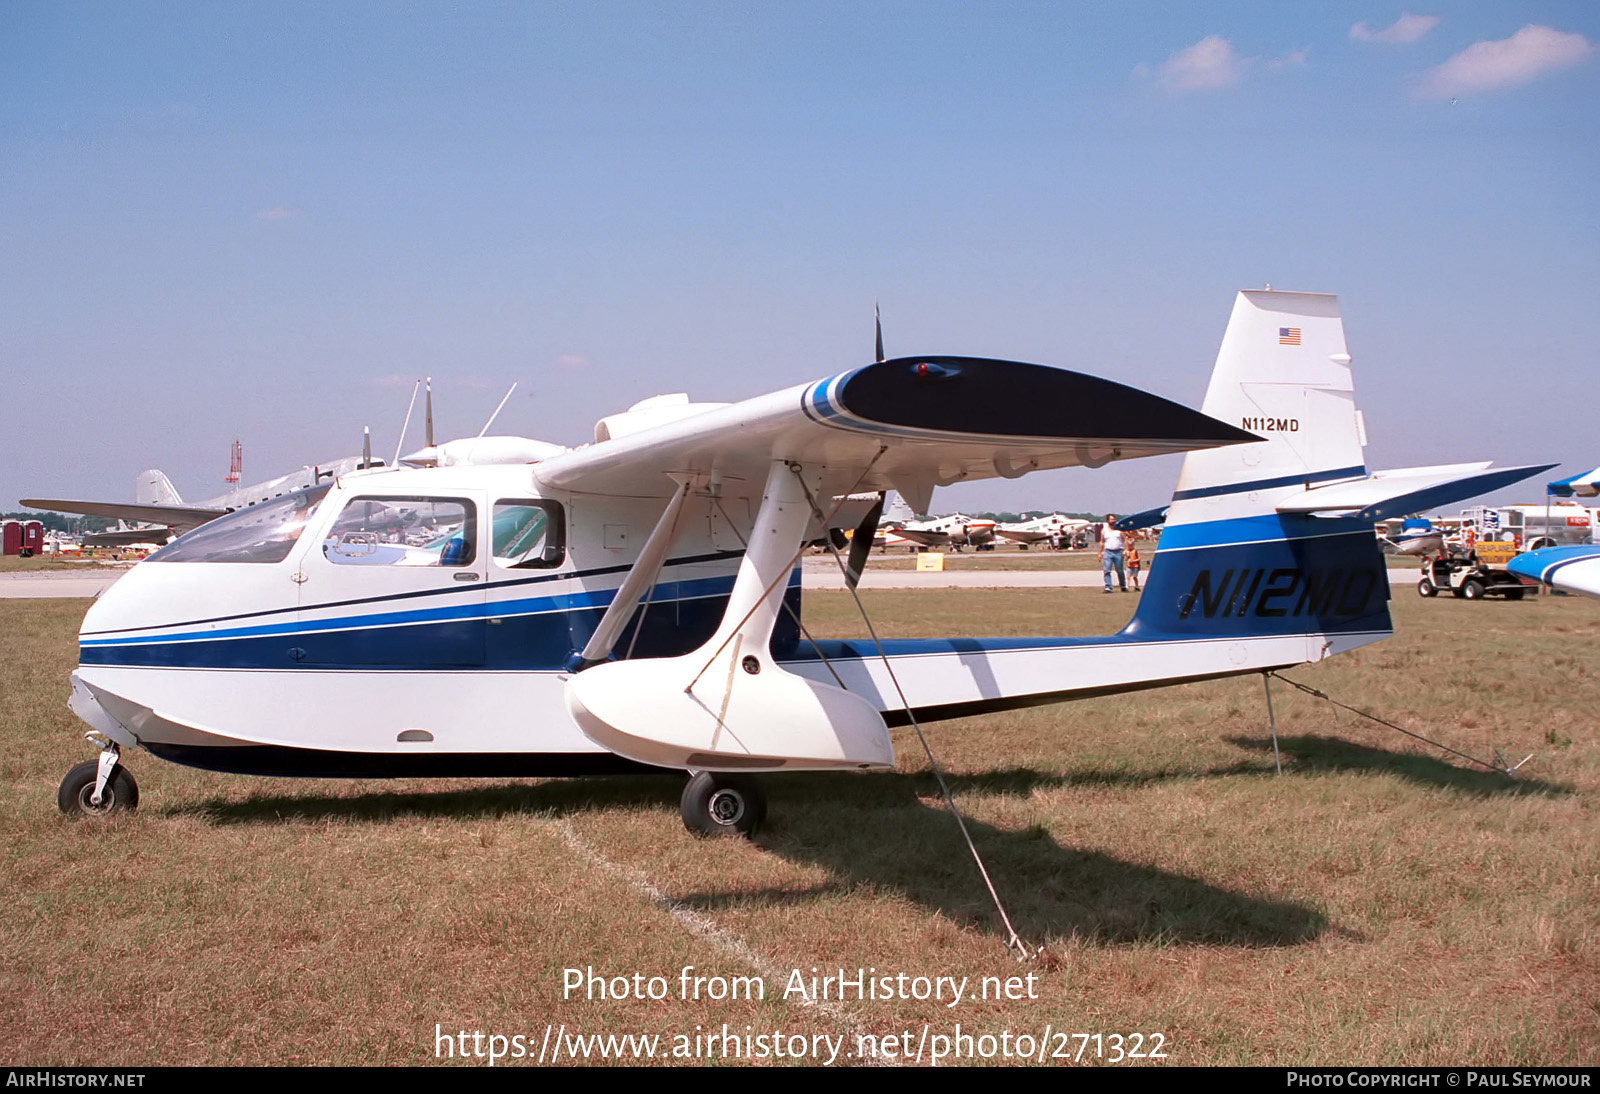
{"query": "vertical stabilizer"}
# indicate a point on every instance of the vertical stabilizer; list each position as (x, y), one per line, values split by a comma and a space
(1229, 564)
(1283, 373)
(152, 487)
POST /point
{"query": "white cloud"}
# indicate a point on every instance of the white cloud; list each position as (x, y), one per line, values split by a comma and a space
(1406, 29)
(1211, 64)
(1207, 65)
(571, 360)
(1511, 62)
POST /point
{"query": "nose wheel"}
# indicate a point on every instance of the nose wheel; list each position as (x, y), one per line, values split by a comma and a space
(76, 796)
(716, 804)
(97, 787)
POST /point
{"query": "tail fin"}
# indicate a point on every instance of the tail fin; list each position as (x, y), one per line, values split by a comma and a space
(152, 487)
(1283, 373)
(1229, 563)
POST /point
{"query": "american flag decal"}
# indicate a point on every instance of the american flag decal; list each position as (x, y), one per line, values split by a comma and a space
(1288, 336)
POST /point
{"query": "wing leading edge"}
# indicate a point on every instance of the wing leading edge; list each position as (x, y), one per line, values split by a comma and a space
(908, 425)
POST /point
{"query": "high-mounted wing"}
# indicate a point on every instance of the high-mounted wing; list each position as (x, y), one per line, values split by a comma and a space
(908, 425)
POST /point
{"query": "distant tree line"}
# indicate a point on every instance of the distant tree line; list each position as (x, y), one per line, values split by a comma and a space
(62, 522)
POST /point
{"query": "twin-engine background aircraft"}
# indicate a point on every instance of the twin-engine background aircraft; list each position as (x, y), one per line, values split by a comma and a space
(1055, 527)
(512, 608)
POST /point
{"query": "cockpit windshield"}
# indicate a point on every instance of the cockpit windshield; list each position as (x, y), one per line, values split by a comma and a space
(264, 532)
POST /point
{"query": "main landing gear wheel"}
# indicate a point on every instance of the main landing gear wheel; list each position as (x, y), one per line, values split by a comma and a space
(121, 793)
(716, 804)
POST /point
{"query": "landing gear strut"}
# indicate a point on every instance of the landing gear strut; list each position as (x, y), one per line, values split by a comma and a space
(101, 786)
(716, 804)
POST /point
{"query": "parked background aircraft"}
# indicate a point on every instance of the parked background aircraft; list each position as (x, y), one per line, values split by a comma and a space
(158, 512)
(1418, 536)
(1042, 529)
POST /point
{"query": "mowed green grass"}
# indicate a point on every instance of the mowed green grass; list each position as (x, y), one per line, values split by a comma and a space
(1378, 903)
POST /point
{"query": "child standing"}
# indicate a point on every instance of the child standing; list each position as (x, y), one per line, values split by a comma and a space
(1133, 564)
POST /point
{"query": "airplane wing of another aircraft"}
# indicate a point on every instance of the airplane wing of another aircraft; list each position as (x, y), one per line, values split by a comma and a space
(1570, 569)
(180, 518)
(908, 425)
(925, 539)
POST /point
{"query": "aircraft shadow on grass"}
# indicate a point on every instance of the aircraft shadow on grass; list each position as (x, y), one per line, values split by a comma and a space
(1316, 753)
(847, 824)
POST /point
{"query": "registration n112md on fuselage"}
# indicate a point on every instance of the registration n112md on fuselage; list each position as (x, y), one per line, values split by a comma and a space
(513, 608)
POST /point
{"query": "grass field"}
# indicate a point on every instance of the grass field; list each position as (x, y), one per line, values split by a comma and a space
(1376, 904)
(18, 564)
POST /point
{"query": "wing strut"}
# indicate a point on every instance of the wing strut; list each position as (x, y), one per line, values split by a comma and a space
(729, 706)
(642, 576)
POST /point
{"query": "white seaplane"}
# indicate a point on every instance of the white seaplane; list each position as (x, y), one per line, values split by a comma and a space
(514, 608)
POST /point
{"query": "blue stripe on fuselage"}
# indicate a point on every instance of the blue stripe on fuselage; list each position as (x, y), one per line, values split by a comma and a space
(538, 634)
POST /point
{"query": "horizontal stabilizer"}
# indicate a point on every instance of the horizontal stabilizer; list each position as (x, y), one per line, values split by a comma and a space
(180, 518)
(1148, 518)
(1387, 494)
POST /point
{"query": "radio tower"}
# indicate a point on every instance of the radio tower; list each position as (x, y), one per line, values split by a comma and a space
(236, 466)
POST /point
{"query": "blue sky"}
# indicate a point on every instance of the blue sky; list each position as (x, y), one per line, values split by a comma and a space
(265, 221)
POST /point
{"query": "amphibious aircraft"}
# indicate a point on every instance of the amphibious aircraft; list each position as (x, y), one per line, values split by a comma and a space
(632, 604)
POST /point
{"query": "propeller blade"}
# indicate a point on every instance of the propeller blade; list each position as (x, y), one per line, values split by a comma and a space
(366, 448)
(430, 413)
(861, 544)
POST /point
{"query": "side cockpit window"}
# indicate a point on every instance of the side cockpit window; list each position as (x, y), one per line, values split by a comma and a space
(264, 532)
(412, 531)
(529, 535)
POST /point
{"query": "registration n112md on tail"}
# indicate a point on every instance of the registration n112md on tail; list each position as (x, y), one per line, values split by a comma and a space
(512, 608)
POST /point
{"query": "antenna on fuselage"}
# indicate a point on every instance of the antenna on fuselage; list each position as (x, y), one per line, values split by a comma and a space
(877, 322)
(497, 409)
(366, 447)
(401, 446)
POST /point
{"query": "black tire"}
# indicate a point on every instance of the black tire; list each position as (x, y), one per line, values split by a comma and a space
(122, 793)
(714, 804)
(1426, 588)
(1514, 594)
(1473, 589)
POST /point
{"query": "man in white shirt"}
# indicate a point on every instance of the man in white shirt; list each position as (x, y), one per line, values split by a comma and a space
(1111, 553)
